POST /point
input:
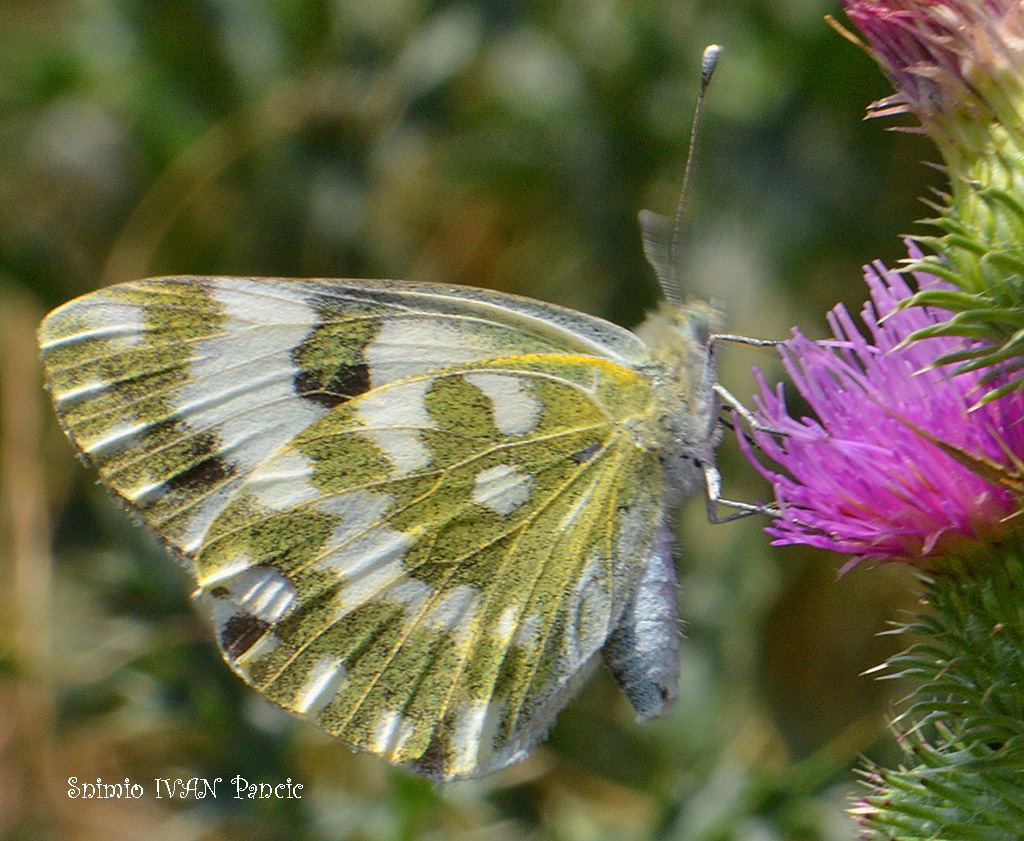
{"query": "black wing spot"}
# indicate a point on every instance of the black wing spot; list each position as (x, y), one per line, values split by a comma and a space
(587, 453)
(241, 633)
(433, 762)
(204, 474)
(347, 382)
(207, 470)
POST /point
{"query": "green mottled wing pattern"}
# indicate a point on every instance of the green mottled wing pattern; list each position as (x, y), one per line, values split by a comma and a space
(428, 570)
(414, 512)
(175, 388)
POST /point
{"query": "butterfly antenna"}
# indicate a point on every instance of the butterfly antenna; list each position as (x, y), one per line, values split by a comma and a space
(708, 63)
(662, 238)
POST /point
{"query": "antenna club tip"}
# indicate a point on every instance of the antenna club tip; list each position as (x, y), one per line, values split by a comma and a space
(709, 61)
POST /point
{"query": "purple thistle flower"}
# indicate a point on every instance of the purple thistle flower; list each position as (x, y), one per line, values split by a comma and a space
(899, 462)
(946, 57)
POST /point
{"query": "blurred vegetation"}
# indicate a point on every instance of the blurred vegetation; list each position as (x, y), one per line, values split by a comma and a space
(499, 144)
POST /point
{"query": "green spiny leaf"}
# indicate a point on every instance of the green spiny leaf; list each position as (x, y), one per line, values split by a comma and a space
(964, 241)
(1004, 261)
(999, 197)
(948, 299)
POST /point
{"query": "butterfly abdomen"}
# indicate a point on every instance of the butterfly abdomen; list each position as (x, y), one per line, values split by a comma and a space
(643, 650)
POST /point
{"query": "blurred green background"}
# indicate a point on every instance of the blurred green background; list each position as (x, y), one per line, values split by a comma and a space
(499, 144)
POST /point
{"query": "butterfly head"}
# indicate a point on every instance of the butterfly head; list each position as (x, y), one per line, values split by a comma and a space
(679, 339)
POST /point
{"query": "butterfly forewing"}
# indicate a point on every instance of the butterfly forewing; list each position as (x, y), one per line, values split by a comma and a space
(176, 388)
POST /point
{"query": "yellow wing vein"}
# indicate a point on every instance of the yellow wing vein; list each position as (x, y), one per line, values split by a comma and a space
(454, 564)
(542, 646)
(470, 644)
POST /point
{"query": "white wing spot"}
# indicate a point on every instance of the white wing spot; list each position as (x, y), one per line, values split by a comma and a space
(392, 418)
(506, 626)
(278, 309)
(270, 595)
(502, 489)
(358, 512)
(412, 594)
(264, 647)
(516, 411)
(321, 686)
(391, 734)
(263, 592)
(590, 612)
(528, 634)
(407, 347)
(283, 482)
(369, 552)
(455, 611)
(370, 564)
(473, 734)
(403, 447)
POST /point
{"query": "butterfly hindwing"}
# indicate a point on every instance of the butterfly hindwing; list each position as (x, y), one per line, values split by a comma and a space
(429, 568)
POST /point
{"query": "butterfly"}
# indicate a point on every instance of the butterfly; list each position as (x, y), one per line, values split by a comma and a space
(417, 514)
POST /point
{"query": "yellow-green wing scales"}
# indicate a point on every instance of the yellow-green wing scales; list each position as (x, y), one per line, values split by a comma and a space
(429, 569)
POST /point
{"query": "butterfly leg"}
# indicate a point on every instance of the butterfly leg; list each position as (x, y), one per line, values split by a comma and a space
(643, 650)
(729, 400)
(732, 403)
(743, 340)
(713, 491)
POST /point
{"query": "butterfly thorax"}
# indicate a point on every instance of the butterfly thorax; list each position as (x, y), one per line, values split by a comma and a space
(684, 374)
